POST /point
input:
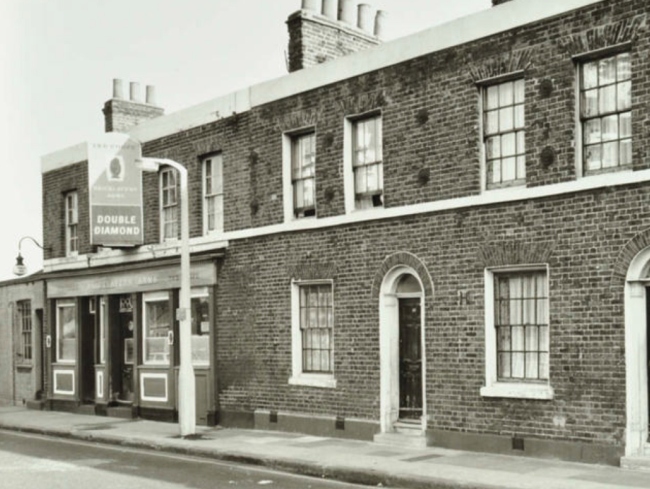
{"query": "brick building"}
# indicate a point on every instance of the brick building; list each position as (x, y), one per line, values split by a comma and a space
(21, 324)
(443, 239)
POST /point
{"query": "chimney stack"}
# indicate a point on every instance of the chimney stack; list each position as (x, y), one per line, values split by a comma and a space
(380, 23)
(330, 9)
(326, 29)
(364, 18)
(311, 5)
(120, 115)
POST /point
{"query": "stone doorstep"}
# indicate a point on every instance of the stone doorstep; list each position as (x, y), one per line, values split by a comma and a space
(640, 462)
(411, 440)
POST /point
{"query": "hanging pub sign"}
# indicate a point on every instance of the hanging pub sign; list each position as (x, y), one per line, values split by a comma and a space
(115, 191)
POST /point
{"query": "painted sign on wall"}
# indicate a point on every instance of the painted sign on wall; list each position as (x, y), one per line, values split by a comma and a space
(115, 191)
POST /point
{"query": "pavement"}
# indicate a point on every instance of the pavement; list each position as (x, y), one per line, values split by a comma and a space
(332, 458)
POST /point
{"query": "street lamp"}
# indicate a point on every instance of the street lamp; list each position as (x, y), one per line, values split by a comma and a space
(186, 386)
(20, 268)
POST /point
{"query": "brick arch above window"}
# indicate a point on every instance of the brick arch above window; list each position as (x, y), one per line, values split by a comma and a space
(627, 254)
(403, 258)
(510, 253)
(500, 65)
(604, 36)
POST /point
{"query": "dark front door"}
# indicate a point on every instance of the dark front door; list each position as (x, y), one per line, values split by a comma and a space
(410, 360)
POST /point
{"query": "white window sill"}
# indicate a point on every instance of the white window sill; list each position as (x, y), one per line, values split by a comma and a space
(518, 391)
(314, 380)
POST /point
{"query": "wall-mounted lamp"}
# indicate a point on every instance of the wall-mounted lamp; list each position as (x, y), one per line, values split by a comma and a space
(20, 268)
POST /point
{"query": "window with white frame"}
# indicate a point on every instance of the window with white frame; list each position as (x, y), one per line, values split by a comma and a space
(169, 207)
(303, 174)
(66, 331)
(71, 223)
(606, 113)
(504, 134)
(313, 334)
(213, 194)
(24, 317)
(200, 305)
(367, 162)
(517, 334)
(157, 328)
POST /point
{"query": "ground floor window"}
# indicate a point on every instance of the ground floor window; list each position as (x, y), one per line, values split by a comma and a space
(517, 333)
(157, 329)
(313, 333)
(521, 321)
(200, 326)
(24, 311)
(66, 331)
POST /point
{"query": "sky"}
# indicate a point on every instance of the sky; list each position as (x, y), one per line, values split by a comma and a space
(58, 59)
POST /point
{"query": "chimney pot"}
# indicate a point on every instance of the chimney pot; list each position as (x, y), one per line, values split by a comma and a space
(364, 18)
(346, 11)
(311, 5)
(151, 95)
(330, 9)
(134, 92)
(117, 88)
(380, 23)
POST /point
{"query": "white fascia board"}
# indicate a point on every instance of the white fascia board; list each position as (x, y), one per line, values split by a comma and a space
(476, 26)
(198, 115)
(64, 157)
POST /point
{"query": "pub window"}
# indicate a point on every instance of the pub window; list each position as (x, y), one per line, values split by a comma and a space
(200, 305)
(157, 331)
(66, 331)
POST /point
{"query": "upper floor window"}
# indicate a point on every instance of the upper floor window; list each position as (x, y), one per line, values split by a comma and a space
(169, 208)
(605, 113)
(213, 194)
(71, 223)
(24, 310)
(303, 174)
(503, 134)
(367, 163)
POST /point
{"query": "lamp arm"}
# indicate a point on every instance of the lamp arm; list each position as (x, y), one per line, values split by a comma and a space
(33, 241)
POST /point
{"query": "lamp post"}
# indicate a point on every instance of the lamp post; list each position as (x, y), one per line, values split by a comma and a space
(186, 386)
(20, 268)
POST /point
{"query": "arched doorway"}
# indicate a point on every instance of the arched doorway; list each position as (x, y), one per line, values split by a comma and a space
(637, 305)
(402, 351)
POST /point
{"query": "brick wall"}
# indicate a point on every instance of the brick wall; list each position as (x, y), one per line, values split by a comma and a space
(56, 184)
(430, 115)
(587, 331)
